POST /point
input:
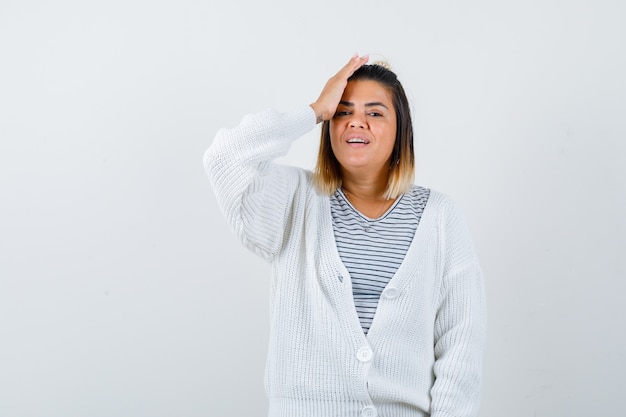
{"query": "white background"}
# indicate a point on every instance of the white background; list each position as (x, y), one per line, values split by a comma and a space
(123, 292)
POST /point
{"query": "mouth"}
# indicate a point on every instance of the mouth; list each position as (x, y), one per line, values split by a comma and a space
(357, 140)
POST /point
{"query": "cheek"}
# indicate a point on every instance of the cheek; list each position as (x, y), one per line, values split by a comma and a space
(388, 132)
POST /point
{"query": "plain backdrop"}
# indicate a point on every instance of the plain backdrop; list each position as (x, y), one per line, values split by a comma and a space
(123, 292)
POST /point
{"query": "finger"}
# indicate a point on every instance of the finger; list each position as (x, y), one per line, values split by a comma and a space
(357, 60)
(326, 104)
(354, 64)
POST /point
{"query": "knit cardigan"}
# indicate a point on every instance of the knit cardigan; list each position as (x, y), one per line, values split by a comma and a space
(423, 353)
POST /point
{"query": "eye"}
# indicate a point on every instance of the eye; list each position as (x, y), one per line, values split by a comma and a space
(342, 113)
(375, 114)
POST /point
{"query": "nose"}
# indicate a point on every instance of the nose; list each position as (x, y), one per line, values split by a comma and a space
(357, 122)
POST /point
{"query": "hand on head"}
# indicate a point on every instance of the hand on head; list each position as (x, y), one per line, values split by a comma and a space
(326, 104)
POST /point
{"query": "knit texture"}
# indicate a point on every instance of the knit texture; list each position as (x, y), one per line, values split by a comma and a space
(373, 249)
(423, 353)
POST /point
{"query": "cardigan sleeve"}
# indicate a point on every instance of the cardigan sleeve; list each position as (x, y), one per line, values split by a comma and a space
(460, 324)
(252, 192)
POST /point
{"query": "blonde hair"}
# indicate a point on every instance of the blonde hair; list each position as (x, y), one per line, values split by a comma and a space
(327, 173)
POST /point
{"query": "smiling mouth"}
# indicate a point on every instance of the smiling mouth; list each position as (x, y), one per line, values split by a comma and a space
(358, 140)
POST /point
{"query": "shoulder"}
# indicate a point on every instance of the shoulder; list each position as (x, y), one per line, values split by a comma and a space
(435, 197)
(456, 243)
(440, 205)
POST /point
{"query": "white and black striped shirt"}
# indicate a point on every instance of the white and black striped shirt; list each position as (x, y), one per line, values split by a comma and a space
(373, 249)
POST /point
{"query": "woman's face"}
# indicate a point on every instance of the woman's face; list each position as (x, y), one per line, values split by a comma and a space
(363, 130)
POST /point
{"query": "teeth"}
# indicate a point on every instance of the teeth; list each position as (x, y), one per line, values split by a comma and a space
(356, 140)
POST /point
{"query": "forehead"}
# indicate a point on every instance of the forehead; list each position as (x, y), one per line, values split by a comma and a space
(367, 91)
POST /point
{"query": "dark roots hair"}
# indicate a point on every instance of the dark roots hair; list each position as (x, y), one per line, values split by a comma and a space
(327, 172)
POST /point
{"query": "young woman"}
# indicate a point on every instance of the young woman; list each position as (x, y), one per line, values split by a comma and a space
(377, 301)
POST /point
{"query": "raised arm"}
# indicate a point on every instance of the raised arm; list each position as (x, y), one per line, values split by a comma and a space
(253, 193)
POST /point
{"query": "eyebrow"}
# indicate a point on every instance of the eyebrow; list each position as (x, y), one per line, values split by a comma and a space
(372, 104)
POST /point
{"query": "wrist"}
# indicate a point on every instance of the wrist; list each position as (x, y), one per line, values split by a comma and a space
(319, 116)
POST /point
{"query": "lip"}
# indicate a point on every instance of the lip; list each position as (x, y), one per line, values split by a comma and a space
(365, 141)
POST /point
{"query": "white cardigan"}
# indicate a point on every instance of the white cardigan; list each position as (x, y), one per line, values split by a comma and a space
(423, 353)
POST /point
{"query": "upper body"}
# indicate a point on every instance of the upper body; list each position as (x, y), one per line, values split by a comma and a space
(422, 354)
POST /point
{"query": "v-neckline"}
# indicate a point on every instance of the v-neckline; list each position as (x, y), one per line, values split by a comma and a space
(363, 216)
(426, 225)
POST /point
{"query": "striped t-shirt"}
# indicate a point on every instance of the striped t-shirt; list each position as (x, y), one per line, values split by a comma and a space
(373, 249)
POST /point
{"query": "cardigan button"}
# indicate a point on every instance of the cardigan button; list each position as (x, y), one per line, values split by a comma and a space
(364, 354)
(368, 411)
(391, 292)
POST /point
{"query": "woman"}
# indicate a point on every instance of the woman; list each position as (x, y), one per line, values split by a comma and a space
(377, 301)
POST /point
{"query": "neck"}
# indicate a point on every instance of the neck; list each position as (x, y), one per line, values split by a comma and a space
(365, 193)
(370, 188)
